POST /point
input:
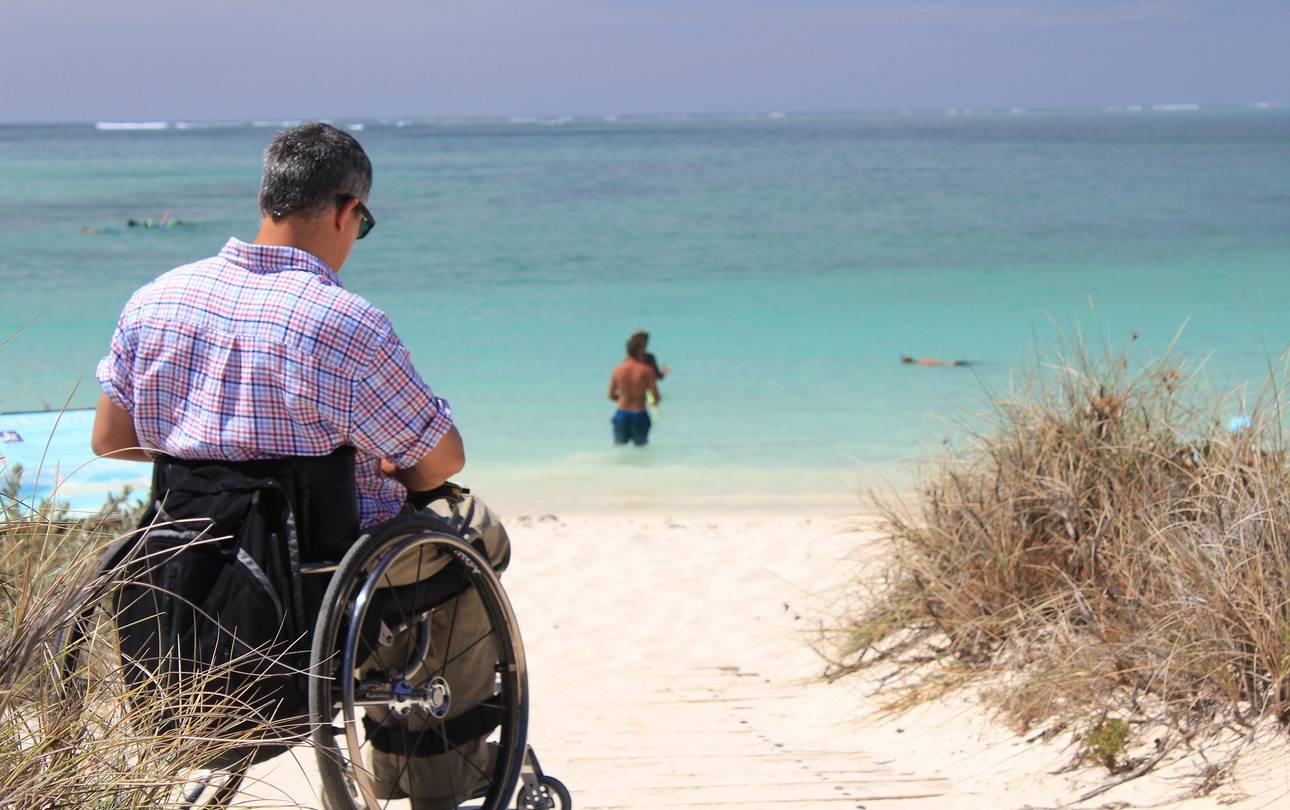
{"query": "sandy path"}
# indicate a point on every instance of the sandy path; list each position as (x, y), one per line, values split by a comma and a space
(669, 669)
(677, 659)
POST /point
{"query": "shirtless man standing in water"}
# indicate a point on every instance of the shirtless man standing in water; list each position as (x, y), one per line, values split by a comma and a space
(628, 385)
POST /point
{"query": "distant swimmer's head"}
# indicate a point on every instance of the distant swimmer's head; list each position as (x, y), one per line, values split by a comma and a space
(906, 359)
(636, 345)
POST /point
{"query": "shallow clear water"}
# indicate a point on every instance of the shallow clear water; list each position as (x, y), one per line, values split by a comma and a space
(782, 266)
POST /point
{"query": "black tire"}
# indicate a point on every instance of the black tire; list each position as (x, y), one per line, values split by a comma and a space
(343, 638)
(86, 648)
(550, 794)
(72, 654)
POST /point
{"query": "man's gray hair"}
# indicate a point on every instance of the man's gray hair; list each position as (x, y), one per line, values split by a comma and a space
(306, 168)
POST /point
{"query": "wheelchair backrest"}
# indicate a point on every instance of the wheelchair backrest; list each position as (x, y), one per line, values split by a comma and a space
(214, 607)
(320, 491)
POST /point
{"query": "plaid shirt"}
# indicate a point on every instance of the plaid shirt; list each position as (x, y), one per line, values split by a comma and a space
(259, 352)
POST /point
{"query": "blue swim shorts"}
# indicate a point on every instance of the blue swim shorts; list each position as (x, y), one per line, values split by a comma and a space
(631, 426)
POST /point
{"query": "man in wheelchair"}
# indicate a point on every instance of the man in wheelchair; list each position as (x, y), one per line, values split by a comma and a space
(284, 412)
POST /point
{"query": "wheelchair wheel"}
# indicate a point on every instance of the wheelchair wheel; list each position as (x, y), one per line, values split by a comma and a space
(418, 652)
(548, 794)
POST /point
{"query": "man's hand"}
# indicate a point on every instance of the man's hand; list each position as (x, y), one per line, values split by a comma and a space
(113, 433)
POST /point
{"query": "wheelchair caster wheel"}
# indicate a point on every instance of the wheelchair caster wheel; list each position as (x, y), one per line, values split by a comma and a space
(549, 794)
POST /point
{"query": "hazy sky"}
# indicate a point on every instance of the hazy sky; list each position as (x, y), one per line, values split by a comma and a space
(78, 60)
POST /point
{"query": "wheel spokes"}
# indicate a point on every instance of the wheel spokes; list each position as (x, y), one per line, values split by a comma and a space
(395, 681)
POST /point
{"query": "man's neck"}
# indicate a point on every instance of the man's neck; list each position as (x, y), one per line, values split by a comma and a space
(292, 233)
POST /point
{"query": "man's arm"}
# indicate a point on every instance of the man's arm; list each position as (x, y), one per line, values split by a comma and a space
(397, 418)
(113, 433)
(446, 460)
(613, 387)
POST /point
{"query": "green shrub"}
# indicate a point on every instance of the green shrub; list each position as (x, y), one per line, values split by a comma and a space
(1106, 740)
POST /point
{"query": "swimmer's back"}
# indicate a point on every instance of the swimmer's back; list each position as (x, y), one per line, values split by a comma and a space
(633, 379)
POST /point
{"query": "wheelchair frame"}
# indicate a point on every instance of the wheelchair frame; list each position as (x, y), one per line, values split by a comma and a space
(355, 620)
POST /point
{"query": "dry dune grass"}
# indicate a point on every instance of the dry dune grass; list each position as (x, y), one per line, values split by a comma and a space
(1110, 546)
(68, 740)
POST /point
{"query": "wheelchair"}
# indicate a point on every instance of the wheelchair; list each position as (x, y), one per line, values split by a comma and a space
(393, 719)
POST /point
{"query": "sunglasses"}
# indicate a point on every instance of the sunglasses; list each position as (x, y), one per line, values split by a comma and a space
(366, 222)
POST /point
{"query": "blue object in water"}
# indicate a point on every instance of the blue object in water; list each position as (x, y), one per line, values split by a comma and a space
(53, 449)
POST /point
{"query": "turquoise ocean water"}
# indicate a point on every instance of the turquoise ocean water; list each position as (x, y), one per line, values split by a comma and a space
(782, 266)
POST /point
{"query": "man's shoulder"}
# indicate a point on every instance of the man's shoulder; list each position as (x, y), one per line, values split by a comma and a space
(174, 281)
(631, 367)
(349, 311)
(307, 301)
(339, 324)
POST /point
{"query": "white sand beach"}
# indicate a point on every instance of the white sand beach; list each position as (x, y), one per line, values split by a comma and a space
(670, 667)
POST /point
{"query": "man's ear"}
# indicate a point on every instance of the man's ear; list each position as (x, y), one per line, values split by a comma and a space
(341, 213)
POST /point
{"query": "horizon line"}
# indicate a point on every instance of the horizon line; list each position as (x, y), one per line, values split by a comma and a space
(964, 109)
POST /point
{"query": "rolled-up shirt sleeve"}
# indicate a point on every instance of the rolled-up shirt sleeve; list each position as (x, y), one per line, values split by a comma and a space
(114, 370)
(394, 413)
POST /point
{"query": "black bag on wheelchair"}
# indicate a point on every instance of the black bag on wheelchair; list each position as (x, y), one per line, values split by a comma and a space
(214, 612)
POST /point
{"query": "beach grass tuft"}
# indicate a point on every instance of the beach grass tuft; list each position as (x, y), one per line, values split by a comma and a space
(85, 738)
(1109, 543)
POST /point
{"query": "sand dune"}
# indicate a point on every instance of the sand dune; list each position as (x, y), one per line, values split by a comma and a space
(670, 668)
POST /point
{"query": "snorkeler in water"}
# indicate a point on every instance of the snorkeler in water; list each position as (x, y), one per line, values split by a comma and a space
(931, 361)
(165, 223)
